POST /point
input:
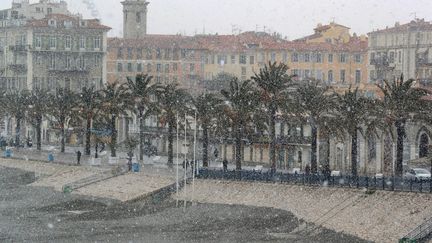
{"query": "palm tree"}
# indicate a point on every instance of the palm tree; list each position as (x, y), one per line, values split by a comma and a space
(37, 108)
(115, 102)
(142, 90)
(401, 102)
(353, 112)
(16, 104)
(273, 82)
(61, 108)
(241, 101)
(172, 101)
(88, 106)
(311, 104)
(208, 109)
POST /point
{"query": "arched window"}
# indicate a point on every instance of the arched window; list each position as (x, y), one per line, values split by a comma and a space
(423, 145)
(330, 76)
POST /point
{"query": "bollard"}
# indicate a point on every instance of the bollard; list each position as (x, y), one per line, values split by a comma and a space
(383, 183)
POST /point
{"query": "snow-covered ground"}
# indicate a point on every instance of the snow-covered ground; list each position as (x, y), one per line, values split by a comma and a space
(380, 217)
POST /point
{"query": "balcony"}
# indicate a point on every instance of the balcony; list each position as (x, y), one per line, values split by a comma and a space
(18, 68)
(72, 70)
(19, 48)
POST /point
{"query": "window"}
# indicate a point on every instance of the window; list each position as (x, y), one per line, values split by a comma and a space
(38, 41)
(307, 73)
(158, 53)
(68, 62)
(342, 58)
(119, 53)
(183, 53)
(221, 59)
(307, 57)
(252, 60)
(358, 76)
(96, 42)
(53, 61)
(138, 17)
(82, 42)
(319, 58)
(53, 42)
(167, 54)
(68, 42)
(243, 70)
(97, 60)
(167, 68)
(192, 67)
(158, 67)
(175, 67)
(119, 67)
(342, 76)
(294, 57)
(400, 57)
(233, 59)
(129, 67)
(330, 58)
(242, 59)
(319, 74)
(139, 67)
(49, 10)
(273, 57)
(357, 58)
(285, 57)
(149, 68)
(81, 62)
(149, 54)
(330, 76)
(392, 57)
(139, 53)
(372, 58)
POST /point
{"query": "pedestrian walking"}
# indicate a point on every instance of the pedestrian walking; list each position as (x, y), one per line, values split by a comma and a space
(78, 157)
(225, 165)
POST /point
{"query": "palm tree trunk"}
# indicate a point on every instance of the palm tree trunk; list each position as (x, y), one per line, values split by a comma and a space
(314, 164)
(141, 137)
(38, 133)
(354, 153)
(400, 129)
(205, 145)
(273, 140)
(88, 134)
(113, 143)
(62, 135)
(238, 143)
(170, 143)
(17, 131)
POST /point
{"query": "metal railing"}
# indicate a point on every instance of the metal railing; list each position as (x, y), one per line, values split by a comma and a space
(419, 233)
(370, 183)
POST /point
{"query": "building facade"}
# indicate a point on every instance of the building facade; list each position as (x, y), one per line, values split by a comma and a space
(56, 50)
(134, 18)
(402, 49)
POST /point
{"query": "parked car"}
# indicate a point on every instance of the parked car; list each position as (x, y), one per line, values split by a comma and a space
(417, 174)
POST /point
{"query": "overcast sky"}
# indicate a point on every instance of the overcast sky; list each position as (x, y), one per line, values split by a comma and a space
(292, 18)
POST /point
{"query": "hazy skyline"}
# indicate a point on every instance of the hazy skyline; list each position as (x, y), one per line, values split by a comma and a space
(293, 19)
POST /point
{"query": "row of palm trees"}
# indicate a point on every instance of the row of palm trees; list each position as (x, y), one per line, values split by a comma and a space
(245, 109)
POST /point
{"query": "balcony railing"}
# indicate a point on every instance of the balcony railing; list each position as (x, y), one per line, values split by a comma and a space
(69, 70)
(18, 67)
(19, 48)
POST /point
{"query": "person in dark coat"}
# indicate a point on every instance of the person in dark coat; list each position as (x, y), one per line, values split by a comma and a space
(225, 165)
(78, 157)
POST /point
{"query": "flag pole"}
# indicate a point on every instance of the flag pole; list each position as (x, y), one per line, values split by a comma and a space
(177, 162)
(194, 159)
(185, 167)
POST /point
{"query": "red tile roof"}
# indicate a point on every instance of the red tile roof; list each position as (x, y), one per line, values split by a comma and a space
(235, 43)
